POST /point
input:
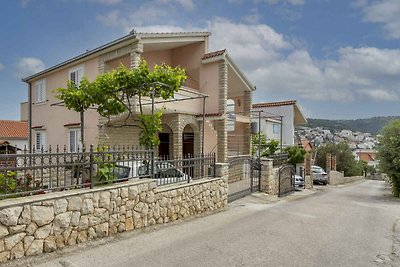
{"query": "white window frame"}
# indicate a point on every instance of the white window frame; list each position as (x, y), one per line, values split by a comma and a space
(77, 141)
(277, 128)
(230, 109)
(40, 93)
(40, 140)
(76, 71)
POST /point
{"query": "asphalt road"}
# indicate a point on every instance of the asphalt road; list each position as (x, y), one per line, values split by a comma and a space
(353, 225)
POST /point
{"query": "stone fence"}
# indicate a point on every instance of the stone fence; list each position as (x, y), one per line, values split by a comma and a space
(45, 223)
(336, 178)
(269, 181)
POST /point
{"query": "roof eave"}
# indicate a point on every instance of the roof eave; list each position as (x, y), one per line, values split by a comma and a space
(303, 119)
(90, 53)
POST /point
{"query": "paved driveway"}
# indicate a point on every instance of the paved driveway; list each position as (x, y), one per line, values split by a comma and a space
(352, 225)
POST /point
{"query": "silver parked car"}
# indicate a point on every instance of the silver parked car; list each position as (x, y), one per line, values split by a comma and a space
(319, 175)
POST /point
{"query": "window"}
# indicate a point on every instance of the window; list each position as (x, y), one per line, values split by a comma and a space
(276, 128)
(76, 75)
(40, 91)
(230, 110)
(40, 140)
(74, 137)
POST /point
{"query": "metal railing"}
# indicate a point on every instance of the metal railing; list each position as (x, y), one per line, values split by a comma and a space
(42, 171)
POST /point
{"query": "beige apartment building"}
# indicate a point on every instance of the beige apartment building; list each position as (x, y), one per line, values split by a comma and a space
(211, 74)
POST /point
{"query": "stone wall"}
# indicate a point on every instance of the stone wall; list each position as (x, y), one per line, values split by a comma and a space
(269, 177)
(45, 223)
(336, 178)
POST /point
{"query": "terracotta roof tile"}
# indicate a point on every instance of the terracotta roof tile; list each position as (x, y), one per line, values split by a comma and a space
(13, 129)
(274, 104)
(214, 54)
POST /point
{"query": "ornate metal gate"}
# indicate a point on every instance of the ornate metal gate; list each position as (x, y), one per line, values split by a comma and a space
(243, 177)
(286, 180)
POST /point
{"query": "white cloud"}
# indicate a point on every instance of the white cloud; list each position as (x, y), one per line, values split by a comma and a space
(26, 66)
(186, 4)
(274, 2)
(278, 63)
(2, 66)
(110, 19)
(107, 2)
(252, 18)
(386, 12)
(24, 3)
(275, 63)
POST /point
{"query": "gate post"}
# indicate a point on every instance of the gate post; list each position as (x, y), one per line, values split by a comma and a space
(268, 183)
(221, 170)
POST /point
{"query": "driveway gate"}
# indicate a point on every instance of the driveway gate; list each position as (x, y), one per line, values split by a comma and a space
(243, 177)
(286, 180)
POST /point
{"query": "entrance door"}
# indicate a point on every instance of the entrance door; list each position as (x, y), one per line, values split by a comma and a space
(188, 144)
(163, 148)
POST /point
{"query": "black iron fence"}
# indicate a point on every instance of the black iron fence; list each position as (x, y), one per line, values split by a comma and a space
(279, 159)
(57, 170)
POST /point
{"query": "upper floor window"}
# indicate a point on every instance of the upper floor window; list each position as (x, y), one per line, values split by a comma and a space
(40, 91)
(230, 110)
(276, 128)
(40, 142)
(230, 106)
(74, 137)
(76, 75)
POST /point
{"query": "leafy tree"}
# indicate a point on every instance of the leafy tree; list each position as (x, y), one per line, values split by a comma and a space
(266, 148)
(389, 154)
(345, 160)
(112, 93)
(296, 154)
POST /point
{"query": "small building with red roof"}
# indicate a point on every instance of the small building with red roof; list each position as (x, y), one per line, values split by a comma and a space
(16, 133)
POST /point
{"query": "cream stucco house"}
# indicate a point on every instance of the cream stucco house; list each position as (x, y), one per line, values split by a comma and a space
(213, 74)
(279, 119)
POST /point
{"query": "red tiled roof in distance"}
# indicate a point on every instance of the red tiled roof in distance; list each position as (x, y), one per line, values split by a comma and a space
(275, 104)
(214, 54)
(13, 129)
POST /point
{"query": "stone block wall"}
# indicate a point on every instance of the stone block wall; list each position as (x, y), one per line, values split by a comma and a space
(46, 223)
(269, 177)
(336, 178)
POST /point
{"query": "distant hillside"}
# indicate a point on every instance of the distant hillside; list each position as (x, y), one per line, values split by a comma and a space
(371, 125)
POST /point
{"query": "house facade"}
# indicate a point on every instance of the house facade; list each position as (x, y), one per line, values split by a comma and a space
(278, 120)
(210, 74)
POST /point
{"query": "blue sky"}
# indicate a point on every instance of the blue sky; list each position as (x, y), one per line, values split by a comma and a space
(339, 58)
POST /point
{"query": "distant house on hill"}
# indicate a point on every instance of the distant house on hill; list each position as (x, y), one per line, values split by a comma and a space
(306, 144)
(367, 155)
(15, 133)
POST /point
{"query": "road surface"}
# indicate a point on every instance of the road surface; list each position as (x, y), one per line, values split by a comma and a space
(352, 225)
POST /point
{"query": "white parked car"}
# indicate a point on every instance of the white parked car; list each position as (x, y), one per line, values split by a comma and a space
(319, 175)
(139, 169)
(298, 181)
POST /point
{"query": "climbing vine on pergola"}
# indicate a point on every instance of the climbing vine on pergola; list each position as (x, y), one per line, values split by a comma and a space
(112, 93)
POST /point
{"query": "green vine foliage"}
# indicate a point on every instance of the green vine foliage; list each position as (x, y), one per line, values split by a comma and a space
(7, 181)
(389, 154)
(104, 172)
(112, 92)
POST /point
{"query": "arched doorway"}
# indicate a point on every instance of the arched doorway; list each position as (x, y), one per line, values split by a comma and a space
(188, 141)
(164, 149)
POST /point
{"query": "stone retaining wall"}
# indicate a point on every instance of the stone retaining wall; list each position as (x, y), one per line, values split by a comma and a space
(44, 223)
(336, 178)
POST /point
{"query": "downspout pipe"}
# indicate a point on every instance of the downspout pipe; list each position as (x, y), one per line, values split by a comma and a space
(29, 114)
